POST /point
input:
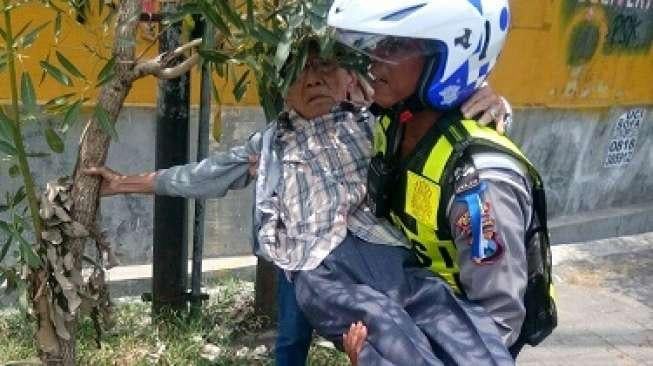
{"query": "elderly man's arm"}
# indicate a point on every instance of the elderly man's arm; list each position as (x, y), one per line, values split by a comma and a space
(209, 178)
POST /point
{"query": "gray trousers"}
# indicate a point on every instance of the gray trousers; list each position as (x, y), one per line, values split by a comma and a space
(412, 317)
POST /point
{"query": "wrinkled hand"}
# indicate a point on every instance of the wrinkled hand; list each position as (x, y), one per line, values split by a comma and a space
(110, 179)
(253, 165)
(493, 106)
(354, 340)
(361, 93)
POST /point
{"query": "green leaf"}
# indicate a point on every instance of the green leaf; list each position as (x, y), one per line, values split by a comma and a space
(57, 25)
(56, 73)
(58, 101)
(214, 56)
(69, 66)
(27, 252)
(219, 69)
(14, 170)
(54, 141)
(230, 13)
(5, 249)
(29, 38)
(43, 72)
(250, 11)
(208, 10)
(264, 35)
(4, 35)
(241, 86)
(50, 4)
(6, 127)
(72, 114)
(27, 94)
(8, 148)
(12, 278)
(22, 30)
(3, 61)
(19, 196)
(107, 73)
(5, 228)
(105, 121)
(36, 154)
(268, 106)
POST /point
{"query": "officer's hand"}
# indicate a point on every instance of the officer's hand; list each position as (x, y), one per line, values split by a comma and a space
(110, 179)
(493, 107)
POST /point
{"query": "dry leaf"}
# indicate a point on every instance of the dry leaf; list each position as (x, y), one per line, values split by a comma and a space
(62, 214)
(211, 352)
(52, 236)
(59, 320)
(74, 230)
(51, 190)
(68, 261)
(47, 208)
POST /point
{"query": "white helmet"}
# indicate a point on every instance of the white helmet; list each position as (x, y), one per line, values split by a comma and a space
(464, 38)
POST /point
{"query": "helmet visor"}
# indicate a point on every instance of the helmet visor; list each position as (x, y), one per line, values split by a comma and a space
(384, 48)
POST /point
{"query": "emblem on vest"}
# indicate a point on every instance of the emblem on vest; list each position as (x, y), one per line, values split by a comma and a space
(465, 178)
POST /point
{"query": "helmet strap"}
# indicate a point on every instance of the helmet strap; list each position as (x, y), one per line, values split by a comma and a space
(425, 80)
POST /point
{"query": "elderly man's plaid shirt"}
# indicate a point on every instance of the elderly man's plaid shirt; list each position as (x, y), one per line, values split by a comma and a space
(321, 193)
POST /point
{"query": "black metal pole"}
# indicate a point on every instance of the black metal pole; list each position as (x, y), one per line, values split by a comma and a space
(202, 152)
(170, 257)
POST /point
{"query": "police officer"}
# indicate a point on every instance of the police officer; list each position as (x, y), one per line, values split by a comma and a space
(467, 198)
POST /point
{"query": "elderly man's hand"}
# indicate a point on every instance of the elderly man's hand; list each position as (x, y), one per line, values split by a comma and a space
(111, 180)
(361, 92)
(493, 106)
(116, 183)
(353, 341)
(253, 165)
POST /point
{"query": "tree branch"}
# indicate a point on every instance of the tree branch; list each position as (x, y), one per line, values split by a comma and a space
(159, 66)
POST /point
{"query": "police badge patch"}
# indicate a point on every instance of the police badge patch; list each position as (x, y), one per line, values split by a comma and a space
(492, 247)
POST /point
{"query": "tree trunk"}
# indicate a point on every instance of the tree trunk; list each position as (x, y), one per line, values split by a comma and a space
(93, 151)
(265, 300)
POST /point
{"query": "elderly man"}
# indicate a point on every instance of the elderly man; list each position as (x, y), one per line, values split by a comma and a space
(310, 209)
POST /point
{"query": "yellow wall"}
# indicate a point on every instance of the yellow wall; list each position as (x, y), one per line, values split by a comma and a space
(535, 68)
(71, 44)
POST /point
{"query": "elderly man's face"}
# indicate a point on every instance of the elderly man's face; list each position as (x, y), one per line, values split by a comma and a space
(318, 88)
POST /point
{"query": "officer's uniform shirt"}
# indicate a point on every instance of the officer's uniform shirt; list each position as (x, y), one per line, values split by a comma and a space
(498, 282)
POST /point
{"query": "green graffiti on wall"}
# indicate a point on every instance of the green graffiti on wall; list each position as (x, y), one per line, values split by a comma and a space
(629, 25)
(583, 42)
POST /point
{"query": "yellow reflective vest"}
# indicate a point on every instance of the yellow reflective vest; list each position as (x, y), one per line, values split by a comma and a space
(418, 209)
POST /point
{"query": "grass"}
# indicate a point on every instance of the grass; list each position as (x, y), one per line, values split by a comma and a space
(135, 340)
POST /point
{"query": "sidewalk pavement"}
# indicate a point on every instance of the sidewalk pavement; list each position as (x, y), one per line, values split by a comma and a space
(604, 294)
(605, 305)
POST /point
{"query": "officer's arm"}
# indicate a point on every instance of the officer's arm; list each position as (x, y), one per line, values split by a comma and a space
(213, 176)
(498, 281)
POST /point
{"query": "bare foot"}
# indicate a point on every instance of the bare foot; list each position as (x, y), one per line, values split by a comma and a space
(353, 341)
